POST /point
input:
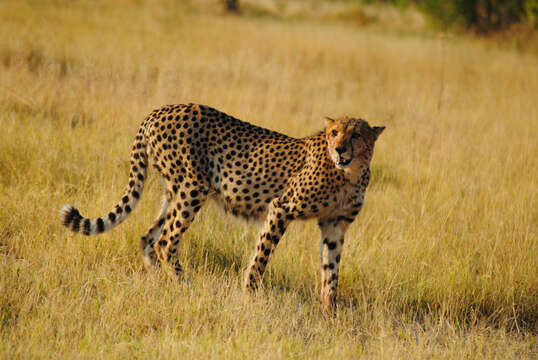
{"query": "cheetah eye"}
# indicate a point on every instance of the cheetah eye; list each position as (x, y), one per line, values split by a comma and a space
(334, 133)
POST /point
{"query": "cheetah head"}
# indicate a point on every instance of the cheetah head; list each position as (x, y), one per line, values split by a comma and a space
(350, 142)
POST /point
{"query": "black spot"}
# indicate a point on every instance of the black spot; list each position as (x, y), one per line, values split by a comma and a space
(127, 209)
(125, 199)
(100, 225)
(136, 194)
(86, 227)
(332, 245)
(112, 217)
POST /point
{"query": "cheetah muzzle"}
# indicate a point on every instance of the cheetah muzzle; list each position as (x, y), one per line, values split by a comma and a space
(252, 172)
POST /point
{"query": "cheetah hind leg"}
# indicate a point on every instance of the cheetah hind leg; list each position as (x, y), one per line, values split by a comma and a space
(179, 216)
(148, 241)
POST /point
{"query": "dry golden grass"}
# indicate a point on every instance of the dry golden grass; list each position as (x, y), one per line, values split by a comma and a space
(441, 263)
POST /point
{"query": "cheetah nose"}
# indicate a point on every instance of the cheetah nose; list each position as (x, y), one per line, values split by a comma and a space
(340, 150)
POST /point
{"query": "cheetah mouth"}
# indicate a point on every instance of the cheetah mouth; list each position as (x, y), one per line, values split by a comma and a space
(342, 163)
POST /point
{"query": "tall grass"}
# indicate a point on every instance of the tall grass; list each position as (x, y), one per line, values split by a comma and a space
(441, 263)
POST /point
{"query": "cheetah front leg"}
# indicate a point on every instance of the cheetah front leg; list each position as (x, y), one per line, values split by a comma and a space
(273, 229)
(332, 241)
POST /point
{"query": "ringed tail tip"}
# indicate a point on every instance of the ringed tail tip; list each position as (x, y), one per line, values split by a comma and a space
(70, 217)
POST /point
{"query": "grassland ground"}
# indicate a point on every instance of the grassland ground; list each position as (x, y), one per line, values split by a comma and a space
(441, 263)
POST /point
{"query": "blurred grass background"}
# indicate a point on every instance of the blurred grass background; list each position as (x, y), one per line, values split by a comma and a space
(441, 263)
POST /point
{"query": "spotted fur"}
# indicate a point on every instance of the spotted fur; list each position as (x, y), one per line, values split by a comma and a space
(252, 172)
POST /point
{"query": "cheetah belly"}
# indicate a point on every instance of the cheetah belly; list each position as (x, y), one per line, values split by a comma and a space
(246, 181)
(245, 194)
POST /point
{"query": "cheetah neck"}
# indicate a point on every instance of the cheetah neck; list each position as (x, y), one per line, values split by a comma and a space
(355, 175)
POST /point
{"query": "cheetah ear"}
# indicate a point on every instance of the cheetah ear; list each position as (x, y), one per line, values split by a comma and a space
(328, 121)
(378, 130)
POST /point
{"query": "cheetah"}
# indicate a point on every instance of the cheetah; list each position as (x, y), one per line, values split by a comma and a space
(253, 173)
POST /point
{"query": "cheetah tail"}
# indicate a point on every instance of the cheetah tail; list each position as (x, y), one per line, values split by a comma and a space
(74, 221)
